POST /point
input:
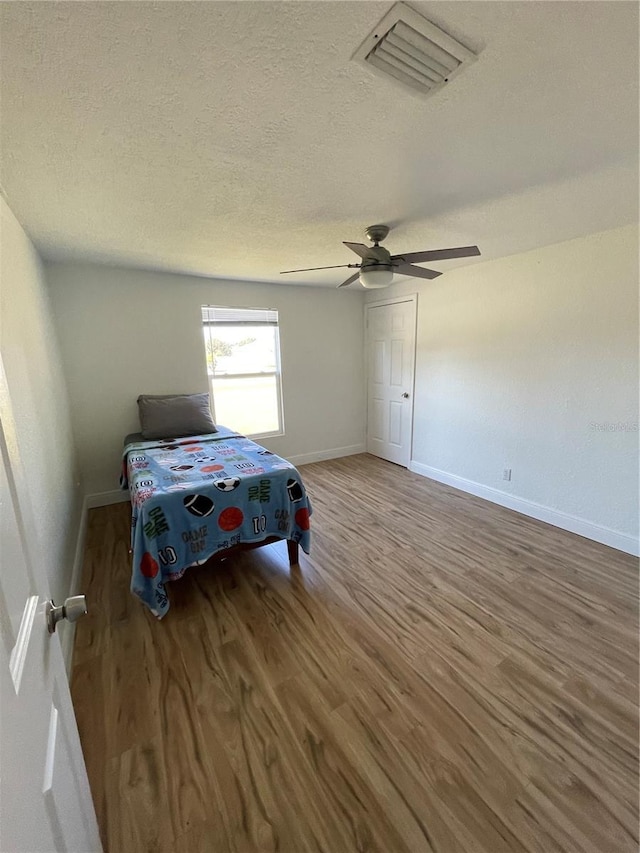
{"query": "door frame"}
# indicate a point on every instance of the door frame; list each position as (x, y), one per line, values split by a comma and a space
(377, 303)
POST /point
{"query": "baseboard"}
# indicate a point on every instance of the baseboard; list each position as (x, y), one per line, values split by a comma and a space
(117, 496)
(74, 586)
(89, 502)
(574, 524)
(323, 455)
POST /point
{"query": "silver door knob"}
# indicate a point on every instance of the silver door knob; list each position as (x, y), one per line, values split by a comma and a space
(72, 609)
(405, 395)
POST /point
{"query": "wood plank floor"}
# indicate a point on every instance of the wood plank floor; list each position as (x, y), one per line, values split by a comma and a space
(440, 675)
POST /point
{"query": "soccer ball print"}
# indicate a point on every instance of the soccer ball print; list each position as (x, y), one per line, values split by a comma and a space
(227, 484)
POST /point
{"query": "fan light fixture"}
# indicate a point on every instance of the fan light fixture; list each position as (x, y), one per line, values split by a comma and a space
(376, 276)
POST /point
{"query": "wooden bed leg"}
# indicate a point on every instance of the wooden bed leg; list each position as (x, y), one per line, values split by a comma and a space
(292, 548)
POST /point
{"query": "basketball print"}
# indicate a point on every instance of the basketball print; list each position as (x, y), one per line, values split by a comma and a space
(148, 566)
(199, 505)
(207, 469)
(230, 518)
(228, 484)
(302, 518)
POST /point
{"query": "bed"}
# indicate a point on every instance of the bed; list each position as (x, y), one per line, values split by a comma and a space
(203, 495)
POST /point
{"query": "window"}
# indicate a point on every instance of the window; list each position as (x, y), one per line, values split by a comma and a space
(243, 362)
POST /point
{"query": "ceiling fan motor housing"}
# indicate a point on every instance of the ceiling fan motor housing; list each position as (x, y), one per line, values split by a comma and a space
(377, 255)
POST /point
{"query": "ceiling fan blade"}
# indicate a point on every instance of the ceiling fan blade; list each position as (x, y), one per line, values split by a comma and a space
(437, 255)
(358, 248)
(310, 269)
(418, 272)
(351, 279)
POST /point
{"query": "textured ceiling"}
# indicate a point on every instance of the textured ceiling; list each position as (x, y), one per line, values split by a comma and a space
(238, 139)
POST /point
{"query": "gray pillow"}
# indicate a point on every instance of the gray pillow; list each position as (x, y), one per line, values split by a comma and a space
(175, 415)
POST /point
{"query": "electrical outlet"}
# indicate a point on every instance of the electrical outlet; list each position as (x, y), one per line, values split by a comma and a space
(506, 474)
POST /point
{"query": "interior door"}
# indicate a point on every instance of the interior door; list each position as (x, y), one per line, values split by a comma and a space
(45, 802)
(391, 336)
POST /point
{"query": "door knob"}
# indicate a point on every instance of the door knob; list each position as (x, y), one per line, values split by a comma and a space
(405, 395)
(72, 609)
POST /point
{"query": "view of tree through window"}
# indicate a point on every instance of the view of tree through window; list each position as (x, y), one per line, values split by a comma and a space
(243, 363)
(216, 347)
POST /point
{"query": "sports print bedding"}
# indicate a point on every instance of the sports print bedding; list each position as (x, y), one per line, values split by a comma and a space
(194, 497)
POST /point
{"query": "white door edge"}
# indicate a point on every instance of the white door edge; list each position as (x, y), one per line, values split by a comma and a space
(63, 719)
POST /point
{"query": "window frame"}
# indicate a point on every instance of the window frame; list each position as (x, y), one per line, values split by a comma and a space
(277, 373)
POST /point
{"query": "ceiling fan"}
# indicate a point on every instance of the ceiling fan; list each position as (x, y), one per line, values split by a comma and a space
(378, 265)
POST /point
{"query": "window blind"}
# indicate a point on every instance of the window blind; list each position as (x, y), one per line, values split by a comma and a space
(216, 315)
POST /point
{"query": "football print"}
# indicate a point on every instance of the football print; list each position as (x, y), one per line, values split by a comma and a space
(199, 505)
(228, 484)
(295, 490)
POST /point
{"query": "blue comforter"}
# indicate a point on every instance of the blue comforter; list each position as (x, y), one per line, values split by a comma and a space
(192, 497)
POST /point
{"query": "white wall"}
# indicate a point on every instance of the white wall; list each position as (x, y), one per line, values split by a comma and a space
(40, 406)
(126, 332)
(519, 363)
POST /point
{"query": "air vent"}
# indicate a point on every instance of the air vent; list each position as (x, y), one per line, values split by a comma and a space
(413, 51)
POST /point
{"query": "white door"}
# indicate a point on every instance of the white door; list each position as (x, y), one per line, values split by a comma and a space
(391, 337)
(45, 802)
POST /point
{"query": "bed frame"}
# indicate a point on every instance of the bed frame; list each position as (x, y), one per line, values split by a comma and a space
(292, 550)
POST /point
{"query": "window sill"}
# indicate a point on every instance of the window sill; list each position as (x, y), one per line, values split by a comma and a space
(255, 435)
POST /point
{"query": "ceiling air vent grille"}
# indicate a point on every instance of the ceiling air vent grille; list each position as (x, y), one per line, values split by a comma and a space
(413, 51)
